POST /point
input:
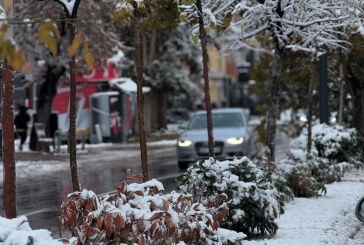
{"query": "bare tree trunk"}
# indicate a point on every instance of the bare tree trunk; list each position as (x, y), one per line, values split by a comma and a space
(161, 109)
(144, 48)
(203, 40)
(273, 106)
(153, 45)
(140, 99)
(310, 105)
(73, 115)
(9, 191)
(342, 77)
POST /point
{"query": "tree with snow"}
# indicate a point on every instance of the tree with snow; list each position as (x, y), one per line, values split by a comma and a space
(201, 15)
(303, 25)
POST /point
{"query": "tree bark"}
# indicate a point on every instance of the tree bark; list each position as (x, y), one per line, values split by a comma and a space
(140, 99)
(9, 191)
(73, 115)
(203, 39)
(310, 105)
(343, 61)
(272, 114)
(153, 45)
(161, 111)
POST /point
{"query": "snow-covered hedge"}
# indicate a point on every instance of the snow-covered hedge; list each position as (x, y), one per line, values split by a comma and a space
(141, 214)
(335, 150)
(254, 202)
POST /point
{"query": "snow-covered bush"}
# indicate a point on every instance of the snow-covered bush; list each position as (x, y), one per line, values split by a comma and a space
(277, 177)
(141, 214)
(305, 178)
(254, 202)
(338, 144)
(335, 150)
(332, 142)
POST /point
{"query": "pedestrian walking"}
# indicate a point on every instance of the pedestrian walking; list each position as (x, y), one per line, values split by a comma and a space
(21, 124)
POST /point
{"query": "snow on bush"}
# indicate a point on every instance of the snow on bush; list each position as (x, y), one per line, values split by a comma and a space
(18, 232)
(306, 178)
(332, 142)
(141, 214)
(254, 203)
(335, 150)
(338, 144)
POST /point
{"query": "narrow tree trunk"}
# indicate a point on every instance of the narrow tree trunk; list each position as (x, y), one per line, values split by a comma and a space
(73, 115)
(203, 39)
(144, 48)
(273, 106)
(153, 45)
(161, 109)
(341, 100)
(310, 105)
(140, 99)
(9, 191)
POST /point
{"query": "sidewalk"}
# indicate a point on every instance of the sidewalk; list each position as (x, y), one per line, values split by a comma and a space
(329, 219)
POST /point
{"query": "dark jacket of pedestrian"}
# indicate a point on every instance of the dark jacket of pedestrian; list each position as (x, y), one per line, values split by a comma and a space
(21, 124)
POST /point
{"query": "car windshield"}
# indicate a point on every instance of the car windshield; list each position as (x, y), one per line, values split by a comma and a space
(219, 120)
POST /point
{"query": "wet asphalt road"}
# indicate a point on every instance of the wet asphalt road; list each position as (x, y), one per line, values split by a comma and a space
(39, 196)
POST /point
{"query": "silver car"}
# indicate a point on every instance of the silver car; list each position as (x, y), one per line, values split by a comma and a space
(230, 131)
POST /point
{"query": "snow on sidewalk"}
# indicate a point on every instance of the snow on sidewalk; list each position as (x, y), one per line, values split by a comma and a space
(329, 219)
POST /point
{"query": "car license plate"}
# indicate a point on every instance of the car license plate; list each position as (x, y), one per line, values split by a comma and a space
(205, 150)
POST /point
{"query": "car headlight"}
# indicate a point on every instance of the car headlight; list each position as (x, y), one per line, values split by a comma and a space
(184, 143)
(235, 140)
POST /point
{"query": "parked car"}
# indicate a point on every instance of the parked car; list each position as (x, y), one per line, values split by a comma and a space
(230, 131)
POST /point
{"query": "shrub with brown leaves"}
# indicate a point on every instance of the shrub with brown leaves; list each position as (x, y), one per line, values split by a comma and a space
(140, 213)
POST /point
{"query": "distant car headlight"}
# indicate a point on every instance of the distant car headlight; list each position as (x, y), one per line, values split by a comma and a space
(235, 140)
(184, 143)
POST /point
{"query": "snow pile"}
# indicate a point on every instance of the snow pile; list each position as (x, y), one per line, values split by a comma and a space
(18, 232)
